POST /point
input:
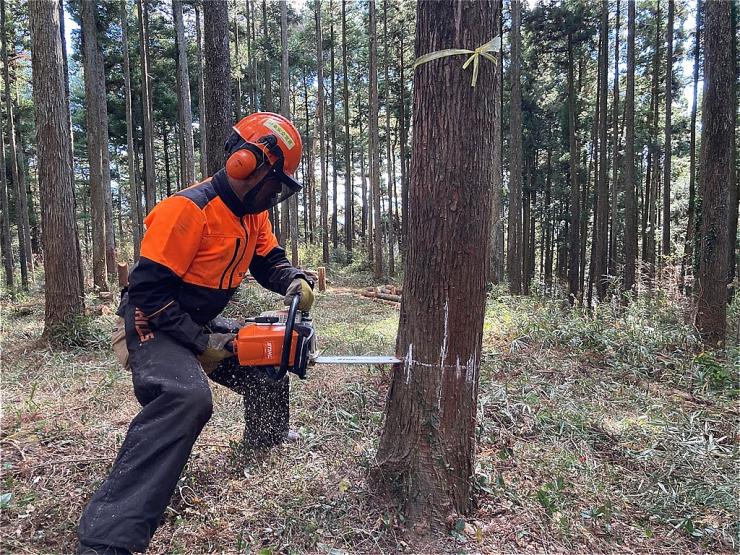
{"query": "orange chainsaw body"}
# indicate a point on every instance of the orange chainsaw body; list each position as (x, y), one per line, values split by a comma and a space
(262, 345)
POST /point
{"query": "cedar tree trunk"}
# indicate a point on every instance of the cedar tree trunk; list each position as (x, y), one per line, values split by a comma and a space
(426, 453)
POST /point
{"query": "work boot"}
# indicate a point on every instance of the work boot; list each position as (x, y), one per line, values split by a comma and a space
(96, 549)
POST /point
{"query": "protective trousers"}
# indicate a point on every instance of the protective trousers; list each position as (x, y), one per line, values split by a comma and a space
(176, 398)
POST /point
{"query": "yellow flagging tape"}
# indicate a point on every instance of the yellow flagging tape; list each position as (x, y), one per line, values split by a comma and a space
(485, 50)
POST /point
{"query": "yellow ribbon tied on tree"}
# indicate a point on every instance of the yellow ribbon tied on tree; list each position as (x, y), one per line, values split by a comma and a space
(486, 50)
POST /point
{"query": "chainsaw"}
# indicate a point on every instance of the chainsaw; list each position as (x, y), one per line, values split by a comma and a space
(285, 341)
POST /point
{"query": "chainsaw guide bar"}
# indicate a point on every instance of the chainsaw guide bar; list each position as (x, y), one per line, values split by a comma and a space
(340, 359)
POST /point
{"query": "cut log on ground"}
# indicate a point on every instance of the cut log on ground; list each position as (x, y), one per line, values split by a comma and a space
(382, 296)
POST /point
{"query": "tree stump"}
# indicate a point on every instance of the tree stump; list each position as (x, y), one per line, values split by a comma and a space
(122, 274)
(322, 278)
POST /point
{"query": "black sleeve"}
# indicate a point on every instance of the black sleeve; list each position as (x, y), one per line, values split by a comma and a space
(152, 289)
(274, 272)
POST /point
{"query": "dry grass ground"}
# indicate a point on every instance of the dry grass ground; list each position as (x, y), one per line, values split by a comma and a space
(610, 434)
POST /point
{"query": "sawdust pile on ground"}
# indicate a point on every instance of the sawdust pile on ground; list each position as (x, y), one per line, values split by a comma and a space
(610, 434)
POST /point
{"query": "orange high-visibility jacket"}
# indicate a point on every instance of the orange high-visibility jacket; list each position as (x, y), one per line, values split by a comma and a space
(199, 244)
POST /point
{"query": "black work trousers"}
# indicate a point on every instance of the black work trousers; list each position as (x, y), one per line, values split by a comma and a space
(175, 395)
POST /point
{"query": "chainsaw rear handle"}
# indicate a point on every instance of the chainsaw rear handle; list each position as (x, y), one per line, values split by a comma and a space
(278, 374)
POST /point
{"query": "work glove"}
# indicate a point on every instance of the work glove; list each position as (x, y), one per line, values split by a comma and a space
(300, 287)
(218, 349)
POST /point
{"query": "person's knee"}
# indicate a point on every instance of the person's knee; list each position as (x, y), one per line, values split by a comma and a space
(202, 403)
(195, 402)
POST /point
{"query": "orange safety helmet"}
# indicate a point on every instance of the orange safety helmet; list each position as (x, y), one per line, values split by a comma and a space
(263, 137)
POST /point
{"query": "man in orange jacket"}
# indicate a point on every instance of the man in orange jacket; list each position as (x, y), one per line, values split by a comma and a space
(197, 248)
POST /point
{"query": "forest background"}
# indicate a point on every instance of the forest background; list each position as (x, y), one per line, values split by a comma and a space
(589, 254)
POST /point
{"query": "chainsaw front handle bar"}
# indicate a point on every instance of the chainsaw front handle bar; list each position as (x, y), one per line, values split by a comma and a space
(278, 374)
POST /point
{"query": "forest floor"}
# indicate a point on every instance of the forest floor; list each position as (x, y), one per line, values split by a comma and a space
(614, 433)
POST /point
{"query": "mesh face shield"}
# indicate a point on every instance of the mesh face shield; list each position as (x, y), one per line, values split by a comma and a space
(276, 186)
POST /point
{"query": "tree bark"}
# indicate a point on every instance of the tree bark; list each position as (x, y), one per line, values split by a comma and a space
(21, 195)
(285, 110)
(547, 224)
(332, 102)
(266, 67)
(7, 249)
(404, 144)
(688, 258)
(217, 81)
(574, 251)
(374, 147)
(630, 185)
(150, 184)
(64, 299)
(348, 193)
(716, 167)
(666, 237)
(427, 447)
(137, 224)
(497, 221)
(514, 251)
(166, 148)
(184, 109)
(250, 46)
(613, 221)
(251, 17)
(601, 224)
(202, 123)
(651, 185)
(389, 170)
(735, 181)
(322, 132)
(238, 69)
(96, 117)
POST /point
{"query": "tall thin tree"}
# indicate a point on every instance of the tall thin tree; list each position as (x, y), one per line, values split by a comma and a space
(497, 223)
(666, 236)
(601, 223)
(515, 236)
(21, 194)
(202, 123)
(574, 250)
(237, 66)
(333, 127)
(266, 65)
(389, 168)
(687, 261)
(320, 129)
(150, 184)
(614, 223)
(137, 226)
(5, 238)
(62, 264)
(184, 109)
(630, 185)
(374, 147)
(285, 110)
(95, 118)
(348, 193)
(217, 81)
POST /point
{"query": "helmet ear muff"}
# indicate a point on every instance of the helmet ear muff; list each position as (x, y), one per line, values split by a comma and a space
(241, 164)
